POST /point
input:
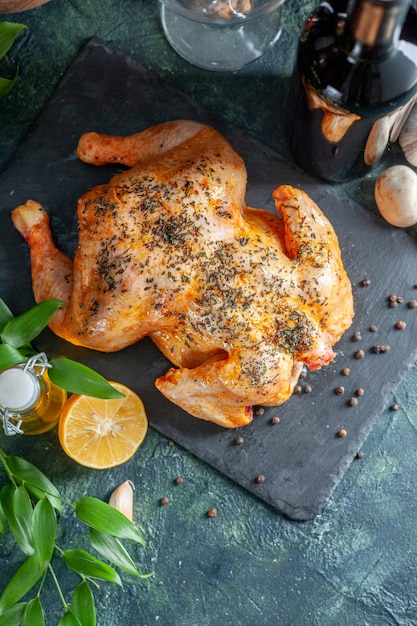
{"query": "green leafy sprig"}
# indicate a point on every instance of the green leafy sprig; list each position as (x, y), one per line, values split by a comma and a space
(16, 335)
(8, 33)
(31, 506)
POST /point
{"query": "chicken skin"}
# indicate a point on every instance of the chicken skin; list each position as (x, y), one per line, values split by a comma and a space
(237, 298)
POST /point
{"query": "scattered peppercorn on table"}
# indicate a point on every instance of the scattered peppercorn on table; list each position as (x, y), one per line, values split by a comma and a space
(219, 554)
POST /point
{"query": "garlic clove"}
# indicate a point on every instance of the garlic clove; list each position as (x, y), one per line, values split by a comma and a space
(396, 195)
(398, 119)
(377, 140)
(408, 137)
(122, 499)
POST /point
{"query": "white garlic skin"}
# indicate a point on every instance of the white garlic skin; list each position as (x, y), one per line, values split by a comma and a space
(408, 137)
(122, 499)
(396, 195)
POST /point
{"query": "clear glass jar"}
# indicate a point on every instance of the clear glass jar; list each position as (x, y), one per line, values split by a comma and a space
(30, 404)
(221, 35)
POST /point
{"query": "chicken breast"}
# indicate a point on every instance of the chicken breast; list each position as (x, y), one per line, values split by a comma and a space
(237, 298)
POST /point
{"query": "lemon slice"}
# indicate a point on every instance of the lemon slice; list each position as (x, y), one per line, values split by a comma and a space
(102, 433)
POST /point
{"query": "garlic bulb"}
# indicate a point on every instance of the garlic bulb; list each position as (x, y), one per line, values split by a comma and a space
(408, 137)
(396, 195)
(122, 499)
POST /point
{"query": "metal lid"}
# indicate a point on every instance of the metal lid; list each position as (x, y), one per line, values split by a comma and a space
(19, 389)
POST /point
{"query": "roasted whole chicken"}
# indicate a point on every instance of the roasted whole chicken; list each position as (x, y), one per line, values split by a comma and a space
(237, 298)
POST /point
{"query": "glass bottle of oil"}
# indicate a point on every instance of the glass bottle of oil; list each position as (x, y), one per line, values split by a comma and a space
(30, 404)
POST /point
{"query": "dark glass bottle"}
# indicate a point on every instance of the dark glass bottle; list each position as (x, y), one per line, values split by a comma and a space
(354, 83)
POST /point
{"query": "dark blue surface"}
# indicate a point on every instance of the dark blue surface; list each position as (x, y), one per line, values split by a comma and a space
(353, 564)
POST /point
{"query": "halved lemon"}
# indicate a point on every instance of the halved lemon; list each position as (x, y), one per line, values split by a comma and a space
(102, 433)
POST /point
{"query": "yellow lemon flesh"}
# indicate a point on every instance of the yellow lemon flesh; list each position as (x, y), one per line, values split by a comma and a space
(102, 433)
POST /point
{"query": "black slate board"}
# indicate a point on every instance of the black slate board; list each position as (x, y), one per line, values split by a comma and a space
(301, 458)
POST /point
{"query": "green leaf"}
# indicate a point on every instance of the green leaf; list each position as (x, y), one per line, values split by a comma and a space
(8, 33)
(3, 520)
(44, 531)
(23, 513)
(83, 605)
(69, 619)
(22, 329)
(78, 378)
(113, 550)
(34, 613)
(23, 580)
(6, 502)
(7, 84)
(5, 314)
(34, 480)
(87, 565)
(18, 511)
(10, 356)
(102, 516)
(13, 616)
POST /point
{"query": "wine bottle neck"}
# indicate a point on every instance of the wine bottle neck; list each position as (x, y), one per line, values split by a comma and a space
(375, 25)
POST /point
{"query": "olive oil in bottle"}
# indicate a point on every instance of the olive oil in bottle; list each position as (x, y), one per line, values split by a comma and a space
(354, 84)
(30, 404)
